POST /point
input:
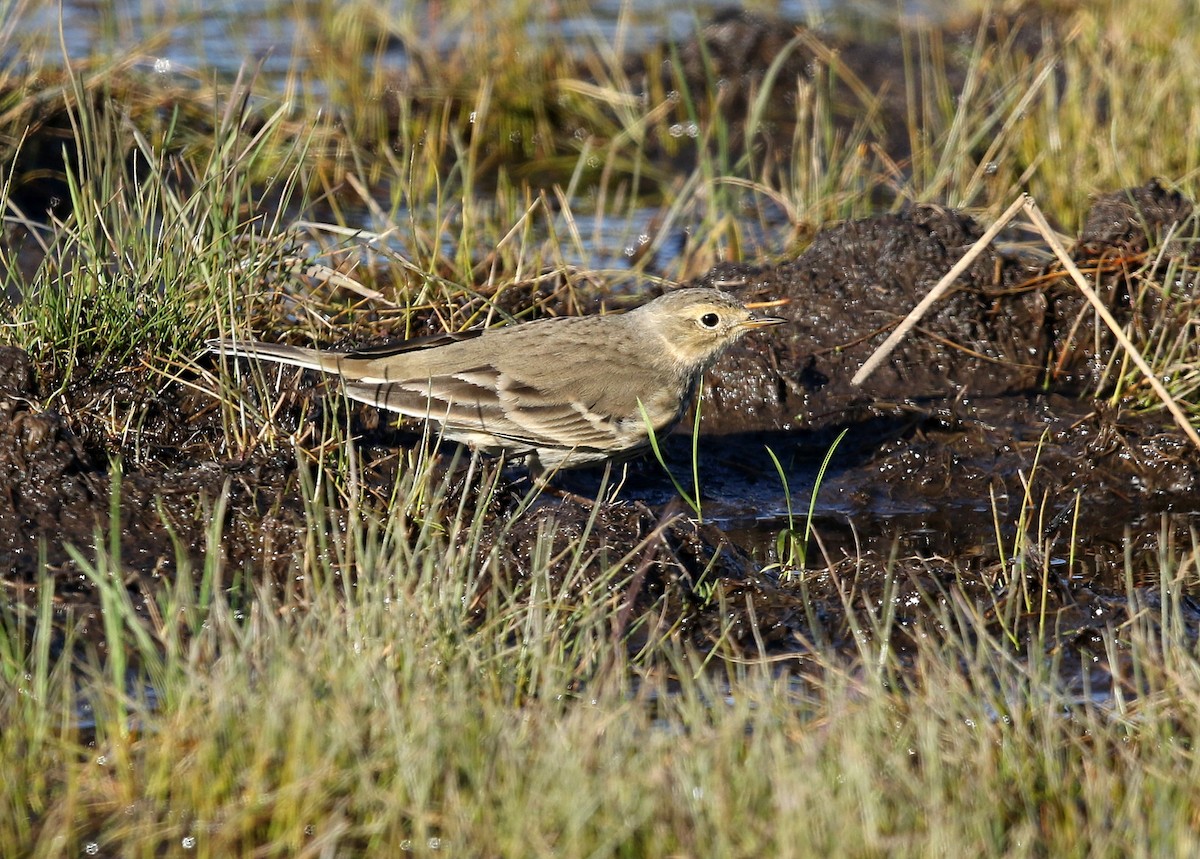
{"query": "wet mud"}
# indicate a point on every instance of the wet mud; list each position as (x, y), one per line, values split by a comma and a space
(993, 418)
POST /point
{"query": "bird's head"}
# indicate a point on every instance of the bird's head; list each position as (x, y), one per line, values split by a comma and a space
(698, 324)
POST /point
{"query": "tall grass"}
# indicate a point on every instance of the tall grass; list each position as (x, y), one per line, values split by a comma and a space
(153, 248)
(378, 708)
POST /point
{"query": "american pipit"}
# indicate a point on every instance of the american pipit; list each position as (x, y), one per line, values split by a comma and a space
(561, 392)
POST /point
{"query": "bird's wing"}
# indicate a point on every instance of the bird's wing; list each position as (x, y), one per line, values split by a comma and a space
(485, 400)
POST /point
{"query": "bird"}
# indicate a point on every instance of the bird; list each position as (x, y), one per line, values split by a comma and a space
(561, 392)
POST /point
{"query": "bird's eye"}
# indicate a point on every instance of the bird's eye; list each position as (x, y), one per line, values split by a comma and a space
(710, 320)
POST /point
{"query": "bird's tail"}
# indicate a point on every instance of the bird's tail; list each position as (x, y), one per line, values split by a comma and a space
(296, 356)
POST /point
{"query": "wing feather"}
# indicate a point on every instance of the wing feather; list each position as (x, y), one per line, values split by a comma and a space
(482, 401)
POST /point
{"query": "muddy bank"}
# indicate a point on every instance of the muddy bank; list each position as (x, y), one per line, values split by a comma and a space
(989, 420)
(984, 422)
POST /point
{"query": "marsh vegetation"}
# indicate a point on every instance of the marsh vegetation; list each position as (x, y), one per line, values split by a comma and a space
(240, 615)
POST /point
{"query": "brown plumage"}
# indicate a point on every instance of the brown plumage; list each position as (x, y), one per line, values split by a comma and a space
(562, 392)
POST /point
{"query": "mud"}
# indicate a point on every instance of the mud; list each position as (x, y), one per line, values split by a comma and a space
(987, 420)
(63, 480)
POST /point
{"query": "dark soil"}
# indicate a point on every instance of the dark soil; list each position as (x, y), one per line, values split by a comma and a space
(986, 414)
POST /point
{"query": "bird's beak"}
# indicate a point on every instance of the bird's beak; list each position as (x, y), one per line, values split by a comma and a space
(764, 321)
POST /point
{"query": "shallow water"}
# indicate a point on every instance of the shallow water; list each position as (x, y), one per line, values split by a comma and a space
(223, 35)
(180, 42)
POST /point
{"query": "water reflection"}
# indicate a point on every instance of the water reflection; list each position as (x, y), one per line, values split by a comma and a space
(222, 36)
